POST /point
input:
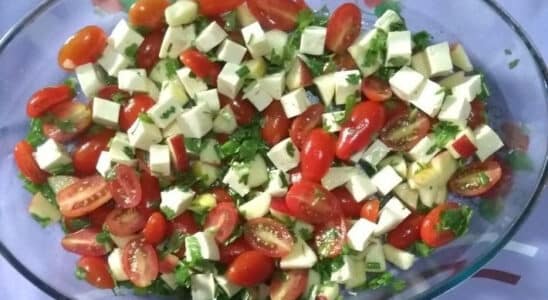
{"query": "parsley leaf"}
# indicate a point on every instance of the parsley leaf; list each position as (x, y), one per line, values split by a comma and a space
(376, 51)
(387, 5)
(72, 83)
(168, 212)
(319, 65)
(513, 63)
(35, 135)
(167, 113)
(443, 133)
(145, 118)
(421, 249)
(290, 149)
(327, 266)
(421, 40)
(67, 169)
(244, 144)
(231, 22)
(194, 145)
(104, 238)
(171, 65)
(519, 161)
(353, 79)
(243, 72)
(385, 73)
(44, 222)
(485, 93)
(80, 273)
(456, 220)
(349, 105)
(120, 97)
(45, 189)
(131, 51)
(386, 279)
(172, 244)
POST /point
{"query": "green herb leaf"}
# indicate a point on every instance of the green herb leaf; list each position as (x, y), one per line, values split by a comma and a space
(80, 273)
(243, 72)
(490, 209)
(45, 189)
(120, 97)
(128, 151)
(145, 118)
(513, 63)
(290, 149)
(104, 238)
(231, 22)
(67, 169)
(456, 220)
(182, 274)
(193, 249)
(327, 266)
(483, 178)
(244, 144)
(385, 73)
(443, 133)
(171, 65)
(35, 135)
(167, 113)
(376, 51)
(77, 224)
(194, 145)
(421, 249)
(131, 51)
(353, 79)
(421, 40)
(349, 105)
(168, 212)
(172, 244)
(72, 83)
(519, 161)
(485, 93)
(44, 222)
(386, 5)
(320, 64)
(384, 280)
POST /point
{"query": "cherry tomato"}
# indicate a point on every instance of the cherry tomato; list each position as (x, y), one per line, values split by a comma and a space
(329, 238)
(125, 187)
(243, 109)
(406, 233)
(69, 120)
(279, 205)
(41, 101)
(344, 26)
(344, 61)
(276, 14)
(98, 217)
(350, 207)
(504, 185)
(223, 219)
(303, 124)
(27, 164)
(88, 150)
(250, 268)
(214, 7)
(221, 195)
(185, 223)
(270, 237)
(478, 115)
(124, 222)
(476, 179)
(83, 196)
(71, 225)
(84, 242)
(370, 210)
(155, 229)
(317, 154)
(394, 107)
(148, 51)
(140, 262)
(376, 89)
(365, 122)
(150, 190)
(405, 130)
(168, 263)
(97, 272)
(85, 46)
(311, 202)
(430, 233)
(148, 14)
(110, 91)
(130, 112)
(289, 285)
(276, 124)
(229, 253)
(200, 65)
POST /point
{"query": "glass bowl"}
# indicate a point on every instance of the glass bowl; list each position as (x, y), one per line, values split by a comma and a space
(519, 96)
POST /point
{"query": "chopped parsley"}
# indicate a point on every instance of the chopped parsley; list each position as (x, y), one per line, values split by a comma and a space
(353, 79)
(485, 93)
(104, 238)
(283, 179)
(243, 72)
(67, 169)
(168, 212)
(194, 145)
(182, 274)
(519, 161)
(35, 135)
(327, 266)
(120, 97)
(290, 149)
(483, 179)
(349, 105)
(456, 220)
(385, 73)
(145, 118)
(44, 222)
(128, 151)
(72, 83)
(398, 26)
(192, 247)
(421, 249)
(443, 133)
(171, 65)
(131, 51)
(171, 244)
(376, 52)
(421, 40)
(76, 224)
(319, 65)
(244, 144)
(45, 189)
(167, 113)
(387, 5)
(384, 280)
(80, 273)
(373, 265)
(201, 23)
(231, 22)
(514, 63)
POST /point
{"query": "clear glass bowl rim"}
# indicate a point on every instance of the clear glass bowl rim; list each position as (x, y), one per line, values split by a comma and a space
(431, 293)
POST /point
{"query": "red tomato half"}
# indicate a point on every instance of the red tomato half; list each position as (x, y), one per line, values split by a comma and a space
(329, 238)
(83, 196)
(223, 219)
(303, 124)
(289, 285)
(214, 7)
(125, 187)
(476, 178)
(150, 187)
(83, 47)
(250, 268)
(344, 61)
(276, 124)
(406, 233)
(350, 208)
(200, 65)
(229, 253)
(155, 229)
(185, 223)
(311, 202)
(242, 109)
(124, 222)
(140, 263)
(148, 51)
(69, 119)
(110, 91)
(318, 154)
(84, 242)
(376, 89)
(99, 215)
(270, 237)
(430, 233)
(403, 131)
(276, 14)
(97, 272)
(148, 14)
(344, 26)
(87, 152)
(27, 164)
(130, 112)
(41, 101)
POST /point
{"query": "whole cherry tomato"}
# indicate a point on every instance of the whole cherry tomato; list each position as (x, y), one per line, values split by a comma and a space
(83, 47)
(148, 14)
(318, 154)
(343, 27)
(44, 99)
(276, 124)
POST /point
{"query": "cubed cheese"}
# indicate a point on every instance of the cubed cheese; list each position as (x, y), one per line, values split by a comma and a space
(332, 121)
(326, 87)
(258, 96)
(391, 215)
(202, 286)
(400, 258)
(386, 180)
(376, 152)
(175, 201)
(181, 12)
(277, 40)
(420, 64)
(463, 145)
(173, 90)
(235, 178)
(313, 40)
(424, 150)
(273, 84)
(50, 156)
(257, 207)
(429, 98)
(192, 84)
(453, 80)
(89, 79)
(295, 102)
(360, 47)
(164, 113)
(121, 151)
(225, 121)
(142, 135)
(487, 141)
(360, 186)
(229, 288)
(455, 110)
(359, 234)
(399, 48)
(112, 61)
(301, 256)
(388, 20)
(439, 59)
(196, 122)
(104, 163)
(255, 40)
(210, 98)
(469, 89)
(229, 82)
(201, 245)
(284, 155)
(210, 37)
(406, 83)
(160, 160)
(374, 258)
(337, 176)
(347, 83)
(176, 40)
(115, 265)
(123, 36)
(105, 112)
(171, 130)
(231, 52)
(133, 80)
(278, 183)
(460, 58)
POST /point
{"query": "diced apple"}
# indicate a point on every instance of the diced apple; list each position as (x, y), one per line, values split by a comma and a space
(257, 68)
(206, 172)
(299, 75)
(445, 165)
(43, 211)
(460, 58)
(177, 149)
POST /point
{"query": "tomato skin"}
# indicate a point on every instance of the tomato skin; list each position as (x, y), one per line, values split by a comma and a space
(83, 196)
(311, 202)
(478, 115)
(124, 222)
(376, 89)
(276, 124)
(125, 187)
(130, 112)
(72, 112)
(44, 99)
(466, 181)
(140, 262)
(223, 219)
(243, 109)
(317, 155)
(254, 230)
(276, 14)
(185, 223)
(97, 272)
(343, 27)
(288, 286)
(370, 210)
(200, 65)
(303, 124)
(344, 61)
(279, 205)
(98, 217)
(88, 150)
(84, 242)
(148, 14)
(229, 253)
(406, 233)
(329, 237)
(27, 164)
(350, 208)
(429, 232)
(250, 268)
(155, 229)
(214, 7)
(148, 51)
(85, 46)
(221, 195)
(405, 129)
(109, 91)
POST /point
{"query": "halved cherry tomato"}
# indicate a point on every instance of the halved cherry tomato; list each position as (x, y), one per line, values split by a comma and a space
(88, 150)
(140, 262)
(370, 210)
(504, 185)
(270, 237)
(476, 178)
(168, 263)
(276, 124)
(303, 124)
(229, 253)
(130, 112)
(150, 187)
(200, 65)
(223, 219)
(243, 109)
(69, 119)
(344, 26)
(99, 215)
(478, 115)
(71, 225)
(406, 233)
(329, 237)
(125, 187)
(97, 272)
(214, 7)
(430, 233)
(124, 222)
(289, 285)
(155, 229)
(344, 61)
(44, 99)
(365, 122)
(276, 14)
(108, 92)
(376, 89)
(279, 205)
(318, 154)
(27, 164)
(148, 51)
(148, 14)
(350, 207)
(403, 131)
(394, 107)
(83, 196)
(221, 195)
(84, 242)
(250, 268)
(311, 202)
(185, 223)
(83, 47)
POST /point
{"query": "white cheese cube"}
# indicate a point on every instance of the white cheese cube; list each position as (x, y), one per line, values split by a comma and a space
(455, 110)
(115, 265)
(89, 79)
(105, 112)
(176, 40)
(429, 98)
(406, 83)
(295, 102)
(469, 89)
(401, 259)
(258, 96)
(467, 137)
(439, 59)
(202, 286)
(210, 98)
(171, 130)
(133, 80)
(112, 61)
(345, 87)
(229, 288)
(391, 215)
(123, 36)
(205, 243)
(359, 234)
(50, 156)
(424, 150)
(231, 52)
(376, 152)
(255, 40)
(277, 40)
(420, 64)
(104, 163)
(374, 258)
(360, 186)
(256, 207)
(175, 201)
(142, 135)
(278, 183)
(181, 12)
(121, 151)
(397, 162)
(225, 122)
(235, 179)
(360, 48)
(326, 87)
(460, 58)
(301, 256)
(170, 280)
(332, 121)
(210, 37)
(196, 122)
(453, 80)
(273, 84)
(387, 20)
(173, 90)
(313, 40)
(386, 180)
(192, 84)
(164, 113)
(229, 82)
(487, 141)
(399, 48)
(337, 176)
(160, 160)
(284, 155)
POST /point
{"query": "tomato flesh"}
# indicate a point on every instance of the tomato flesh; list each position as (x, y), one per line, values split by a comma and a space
(148, 14)
(84, 242)
(276, 124)
(140, 263)
(370, 210)
(276, 14)
(329, 238)
(67, 120)
(125, 188)
(350, 207)
(476, 179)
(376, 89)
(311, 202)
(268, 236)
(250, 268)
(221, 195)
(85, 46)
(222, 219)
(343, 28)
(229, 253)
(130, 112)
(83, 196)
(97, 272)
(44, 99)
(406, 233)
(404, 130)
(27, 165)
(124, 222)
(288, 286)
(478, 115)
(303, 124)
(185, 223)
(243, 110)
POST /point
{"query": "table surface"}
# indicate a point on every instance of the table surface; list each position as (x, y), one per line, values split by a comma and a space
(528, 251)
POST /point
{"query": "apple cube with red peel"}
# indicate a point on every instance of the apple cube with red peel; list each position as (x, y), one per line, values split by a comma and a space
(298, 76)
(464, 144)
(177, 149)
